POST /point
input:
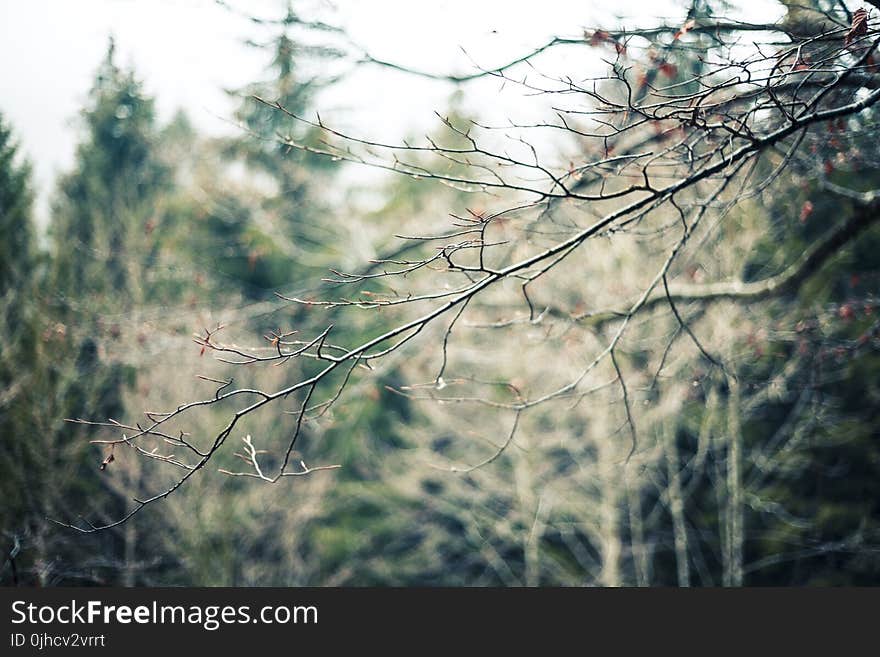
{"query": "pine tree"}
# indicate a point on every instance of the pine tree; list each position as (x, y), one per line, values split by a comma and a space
(104, 218)
(275, 233)
(68, 315)
(17, 249)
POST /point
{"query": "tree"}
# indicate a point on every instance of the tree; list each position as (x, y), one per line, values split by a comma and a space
(44, 381)
(18, 262)
(629, 307)
(15, 206)
(104, 224)
(68, 343)
(268, 211)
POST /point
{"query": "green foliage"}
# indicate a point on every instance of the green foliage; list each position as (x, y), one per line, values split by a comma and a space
(155, 219)
(104, 219)
(18, 247)
(274, 232)
(56, 365)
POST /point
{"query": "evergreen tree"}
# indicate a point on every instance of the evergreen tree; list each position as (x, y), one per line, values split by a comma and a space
(275, 232)
(104, 220)
(17, 267)
(68, 315)
(18, 247)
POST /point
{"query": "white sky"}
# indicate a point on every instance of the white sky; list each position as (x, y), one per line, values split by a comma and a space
(186, 51)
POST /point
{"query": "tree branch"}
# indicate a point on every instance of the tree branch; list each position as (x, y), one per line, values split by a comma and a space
(809, 264)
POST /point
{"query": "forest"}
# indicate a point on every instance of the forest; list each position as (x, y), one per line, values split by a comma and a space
(635, 342)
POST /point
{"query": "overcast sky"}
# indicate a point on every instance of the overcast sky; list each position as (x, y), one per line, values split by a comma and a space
(187, 51)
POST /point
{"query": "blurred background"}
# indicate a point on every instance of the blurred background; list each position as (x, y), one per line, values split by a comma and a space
(146, 196)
